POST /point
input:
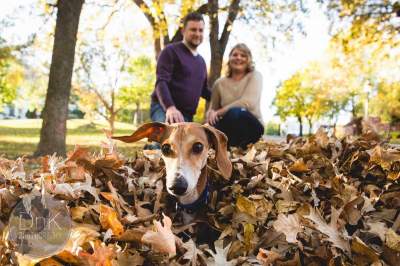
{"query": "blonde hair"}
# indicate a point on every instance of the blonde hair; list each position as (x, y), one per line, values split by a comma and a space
(250, 64)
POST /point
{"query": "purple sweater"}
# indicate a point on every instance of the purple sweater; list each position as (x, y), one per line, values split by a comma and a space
(181, 79)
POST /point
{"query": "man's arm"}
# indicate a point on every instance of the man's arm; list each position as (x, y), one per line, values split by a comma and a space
(165, 68)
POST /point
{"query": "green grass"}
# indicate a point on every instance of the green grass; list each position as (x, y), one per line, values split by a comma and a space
(395, 137)
(20, 137)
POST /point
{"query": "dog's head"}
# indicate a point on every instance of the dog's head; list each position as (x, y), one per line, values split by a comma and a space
(184, 148)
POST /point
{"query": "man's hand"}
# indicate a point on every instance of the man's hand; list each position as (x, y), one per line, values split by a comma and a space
(172, 115)
(212, 117)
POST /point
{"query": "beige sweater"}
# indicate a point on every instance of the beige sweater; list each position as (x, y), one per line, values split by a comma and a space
(246, 93)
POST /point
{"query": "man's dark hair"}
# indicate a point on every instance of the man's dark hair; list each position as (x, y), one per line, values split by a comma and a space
(193, 16)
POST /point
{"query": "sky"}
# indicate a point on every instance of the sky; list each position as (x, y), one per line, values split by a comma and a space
(275, 63)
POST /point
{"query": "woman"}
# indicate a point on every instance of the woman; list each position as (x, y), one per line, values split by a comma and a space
(235, 100)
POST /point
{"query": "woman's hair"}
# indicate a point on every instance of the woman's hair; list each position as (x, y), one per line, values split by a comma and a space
(242, 47)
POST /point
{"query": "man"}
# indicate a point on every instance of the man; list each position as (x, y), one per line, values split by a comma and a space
(181, 76)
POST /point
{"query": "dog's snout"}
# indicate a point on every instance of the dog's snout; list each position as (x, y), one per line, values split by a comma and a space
(179, 186)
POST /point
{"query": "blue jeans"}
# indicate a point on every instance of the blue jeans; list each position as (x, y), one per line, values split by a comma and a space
(157, 113)
(241, 127)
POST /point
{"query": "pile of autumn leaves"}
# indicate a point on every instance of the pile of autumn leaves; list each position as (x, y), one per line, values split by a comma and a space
(312, 201)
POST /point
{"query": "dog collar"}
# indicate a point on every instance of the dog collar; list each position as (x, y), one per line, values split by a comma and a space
(196, 205)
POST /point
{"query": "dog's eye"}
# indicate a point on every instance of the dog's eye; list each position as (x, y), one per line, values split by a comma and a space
(197, 148)
(166, 149)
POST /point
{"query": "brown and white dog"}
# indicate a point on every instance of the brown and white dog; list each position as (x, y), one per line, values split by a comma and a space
(184, 148)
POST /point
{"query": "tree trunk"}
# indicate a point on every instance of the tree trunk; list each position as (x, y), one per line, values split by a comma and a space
(300, 125)
(111, 121)
(157, 47)
(55, 112)
(310, 125)
(218, 44)
(136, 118)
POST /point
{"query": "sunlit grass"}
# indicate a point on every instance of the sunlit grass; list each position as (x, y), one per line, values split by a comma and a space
(20, 137)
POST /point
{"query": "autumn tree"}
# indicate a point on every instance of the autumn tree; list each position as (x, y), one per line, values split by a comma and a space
(11, 75)
(99, 77)
(294, 99)
(55, 112)
(136, 96)
(386, 103)
(363, 14)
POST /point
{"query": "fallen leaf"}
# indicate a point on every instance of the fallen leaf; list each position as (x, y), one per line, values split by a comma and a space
(288, 225)
(331, 230)
(219, 258)
(267, 257)
(162, 239)
(109, 219)
(102, 255)
(393, 240)
(246, 206)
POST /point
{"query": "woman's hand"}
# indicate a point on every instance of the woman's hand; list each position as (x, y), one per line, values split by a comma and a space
(212, 117)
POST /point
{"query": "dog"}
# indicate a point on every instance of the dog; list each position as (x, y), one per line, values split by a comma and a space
(184, 149)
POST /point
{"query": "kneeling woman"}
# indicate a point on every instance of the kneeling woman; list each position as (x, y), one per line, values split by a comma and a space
(235, 100)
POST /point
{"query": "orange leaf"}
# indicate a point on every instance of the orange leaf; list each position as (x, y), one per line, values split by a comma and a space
(109, 219)
(102, 255)
(78, 153)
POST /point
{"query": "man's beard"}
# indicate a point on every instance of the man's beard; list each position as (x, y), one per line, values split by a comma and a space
(192, 45)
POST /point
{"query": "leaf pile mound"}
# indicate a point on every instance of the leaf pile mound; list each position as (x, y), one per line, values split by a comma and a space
(312, 201)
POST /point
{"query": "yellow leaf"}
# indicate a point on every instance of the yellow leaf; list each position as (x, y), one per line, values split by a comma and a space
(393, 240)
(358, 246)
(248, 236)
(78, 212)
(247, 206)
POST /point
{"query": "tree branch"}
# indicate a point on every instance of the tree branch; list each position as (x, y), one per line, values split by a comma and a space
(141, 4)
(232, 14)
(214, 22)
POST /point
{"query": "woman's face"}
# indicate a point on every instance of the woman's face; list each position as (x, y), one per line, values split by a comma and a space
(238, 61)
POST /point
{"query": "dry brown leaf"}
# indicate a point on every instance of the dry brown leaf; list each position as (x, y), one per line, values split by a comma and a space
(299, 167)
(331, 230)
(132, 235)
(267, 257)
(378, 228)
(246, 206)
(220, 256)
(358, 246)
(288, 225)
(162, 239)
(77, 213)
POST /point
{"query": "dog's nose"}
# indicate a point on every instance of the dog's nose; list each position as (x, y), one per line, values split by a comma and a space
(179, 186)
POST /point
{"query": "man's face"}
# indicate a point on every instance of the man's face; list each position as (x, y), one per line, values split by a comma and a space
(193, 33)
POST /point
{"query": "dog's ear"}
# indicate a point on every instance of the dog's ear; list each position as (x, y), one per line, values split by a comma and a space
(220, 144)
(154, 131)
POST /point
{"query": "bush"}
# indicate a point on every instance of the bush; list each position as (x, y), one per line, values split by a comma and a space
(31, 114)
(126, 116)
(272, 129)
(76, 113)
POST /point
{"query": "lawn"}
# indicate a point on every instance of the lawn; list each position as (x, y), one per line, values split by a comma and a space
(20, 137)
